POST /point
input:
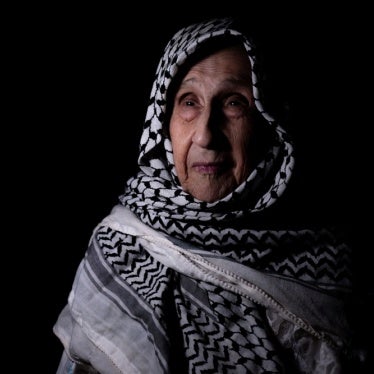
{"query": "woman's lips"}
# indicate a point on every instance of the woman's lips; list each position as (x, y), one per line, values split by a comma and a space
(209, 167)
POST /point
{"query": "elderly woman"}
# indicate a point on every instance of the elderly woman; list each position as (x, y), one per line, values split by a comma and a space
(181, 277)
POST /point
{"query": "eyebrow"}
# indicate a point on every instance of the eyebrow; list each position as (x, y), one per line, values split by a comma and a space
(242, 81)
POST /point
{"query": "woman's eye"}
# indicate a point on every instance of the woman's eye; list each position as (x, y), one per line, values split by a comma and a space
(235, 105)
(186, 100)
(232, 102)
(189, 103)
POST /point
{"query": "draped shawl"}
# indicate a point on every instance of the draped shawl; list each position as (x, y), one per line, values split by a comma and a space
(171, 284)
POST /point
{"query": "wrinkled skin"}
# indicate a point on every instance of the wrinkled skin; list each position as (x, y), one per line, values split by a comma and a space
(212, 125)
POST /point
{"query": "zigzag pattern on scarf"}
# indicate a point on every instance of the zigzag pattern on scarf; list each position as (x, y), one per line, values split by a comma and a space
(133, 264)
(308, 255)
(210, 334)
(233, 341)
(210, 319)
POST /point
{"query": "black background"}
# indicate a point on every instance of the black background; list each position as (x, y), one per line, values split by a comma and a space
(82, 78)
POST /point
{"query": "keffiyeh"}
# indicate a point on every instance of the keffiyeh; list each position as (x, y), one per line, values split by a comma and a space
(171, 284)
(155, 194)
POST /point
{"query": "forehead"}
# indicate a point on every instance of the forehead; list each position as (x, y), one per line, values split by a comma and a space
(226, 67)
(231, 53)
(235, 56)
(231, 60)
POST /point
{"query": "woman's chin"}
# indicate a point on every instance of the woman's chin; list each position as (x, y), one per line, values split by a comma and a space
(210, 192)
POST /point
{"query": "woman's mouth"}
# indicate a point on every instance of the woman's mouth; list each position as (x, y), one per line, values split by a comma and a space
(209, 167)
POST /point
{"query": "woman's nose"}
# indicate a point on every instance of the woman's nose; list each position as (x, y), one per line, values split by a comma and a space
(203, 134)
(208, 131)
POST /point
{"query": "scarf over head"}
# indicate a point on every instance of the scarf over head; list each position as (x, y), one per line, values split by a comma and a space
(155, 194)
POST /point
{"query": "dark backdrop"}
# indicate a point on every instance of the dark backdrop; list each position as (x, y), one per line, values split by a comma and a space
(86, 82)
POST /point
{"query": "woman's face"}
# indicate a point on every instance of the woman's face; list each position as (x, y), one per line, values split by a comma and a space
(212, 125)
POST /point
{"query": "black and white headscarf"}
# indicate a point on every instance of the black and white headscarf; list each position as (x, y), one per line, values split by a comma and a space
(155, 194)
